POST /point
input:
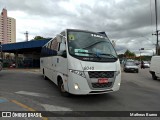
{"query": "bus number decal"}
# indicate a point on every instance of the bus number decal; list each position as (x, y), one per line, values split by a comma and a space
(88, 68)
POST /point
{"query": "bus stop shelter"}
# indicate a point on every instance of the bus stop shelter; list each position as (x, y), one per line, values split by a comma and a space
(32, 48)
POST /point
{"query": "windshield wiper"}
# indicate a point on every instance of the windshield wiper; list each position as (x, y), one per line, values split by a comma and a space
(93, 44)
(98, 55)
(108, 55)
(94, 54)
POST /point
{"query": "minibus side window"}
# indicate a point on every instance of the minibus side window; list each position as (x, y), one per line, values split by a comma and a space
(54, 47)
(62, 45)
(62, 48)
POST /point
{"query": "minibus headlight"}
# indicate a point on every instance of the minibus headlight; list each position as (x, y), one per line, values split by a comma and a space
(80, 73)
(76, 87)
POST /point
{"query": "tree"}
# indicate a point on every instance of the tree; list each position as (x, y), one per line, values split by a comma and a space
(129, 54)
(121, 56)
(38, 38)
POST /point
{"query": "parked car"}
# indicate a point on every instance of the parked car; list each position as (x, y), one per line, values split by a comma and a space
(155, 67)
(13, 65)
(136, 62)
(146, 64)
(127, 60)
(130, 66)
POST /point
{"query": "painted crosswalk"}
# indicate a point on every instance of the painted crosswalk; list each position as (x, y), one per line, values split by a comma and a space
(2, 100)
(55, 108)
(32, 94)
(47, 107)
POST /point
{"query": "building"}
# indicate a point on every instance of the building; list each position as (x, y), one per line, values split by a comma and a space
(7, 28)
(26, 54)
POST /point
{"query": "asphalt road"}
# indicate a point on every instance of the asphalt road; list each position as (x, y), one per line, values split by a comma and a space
(23, 90)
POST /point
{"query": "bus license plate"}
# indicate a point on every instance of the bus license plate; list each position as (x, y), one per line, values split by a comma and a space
(103, 80)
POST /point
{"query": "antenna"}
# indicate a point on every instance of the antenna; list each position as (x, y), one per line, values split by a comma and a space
(26, 34)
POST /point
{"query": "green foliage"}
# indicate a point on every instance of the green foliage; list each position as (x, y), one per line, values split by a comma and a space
(121, 56)
(146, 58)
(38, 38)
(129, 54)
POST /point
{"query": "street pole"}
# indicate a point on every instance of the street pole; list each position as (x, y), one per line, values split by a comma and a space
(140, 55)
(26, 34)
(157, 46)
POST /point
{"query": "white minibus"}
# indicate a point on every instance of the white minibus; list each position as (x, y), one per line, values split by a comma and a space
(81, 62)
(155, 67)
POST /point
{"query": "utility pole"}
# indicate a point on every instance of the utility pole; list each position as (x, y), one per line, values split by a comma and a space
(26, 34)
(140, 55)
(156, 13)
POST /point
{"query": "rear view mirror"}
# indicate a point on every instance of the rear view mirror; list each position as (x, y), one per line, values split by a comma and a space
(62, 53)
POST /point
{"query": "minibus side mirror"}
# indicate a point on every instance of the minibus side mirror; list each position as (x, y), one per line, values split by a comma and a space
(62, 53)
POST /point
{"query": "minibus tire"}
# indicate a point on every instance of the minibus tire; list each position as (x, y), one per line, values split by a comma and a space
(61, 88)
(154, 77)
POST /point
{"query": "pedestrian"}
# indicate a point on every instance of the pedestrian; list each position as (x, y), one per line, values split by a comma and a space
(142, 65)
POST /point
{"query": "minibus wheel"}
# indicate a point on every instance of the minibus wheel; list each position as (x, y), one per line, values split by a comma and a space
(61, 88)
(154, 77)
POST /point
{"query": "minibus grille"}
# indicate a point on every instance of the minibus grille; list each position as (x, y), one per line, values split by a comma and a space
(104, 85)
(101, 74)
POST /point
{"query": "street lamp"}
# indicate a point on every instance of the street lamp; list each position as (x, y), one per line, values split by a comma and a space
(144, 49)
(148, 49)
(140, 53)
(151, 42)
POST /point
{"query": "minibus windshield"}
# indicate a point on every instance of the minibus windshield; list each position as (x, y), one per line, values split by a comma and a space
(90, 45)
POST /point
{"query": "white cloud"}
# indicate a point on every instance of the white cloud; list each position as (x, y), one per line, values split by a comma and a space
(127, 22)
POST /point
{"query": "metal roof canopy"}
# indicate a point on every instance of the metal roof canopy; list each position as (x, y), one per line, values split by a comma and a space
(28, 46)
(25, 47)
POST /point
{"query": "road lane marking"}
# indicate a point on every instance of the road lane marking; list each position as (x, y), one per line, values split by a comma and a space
(2, 100)
(32, 94)
(55, 108)
(22, 105)
(27, 107)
